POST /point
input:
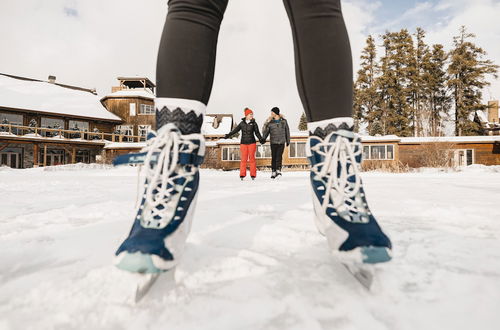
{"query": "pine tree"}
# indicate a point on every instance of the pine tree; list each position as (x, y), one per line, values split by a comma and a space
(468, 70)
(366, 105)
(418, 88)
(438, 98)
(303, 122)
(397, 66)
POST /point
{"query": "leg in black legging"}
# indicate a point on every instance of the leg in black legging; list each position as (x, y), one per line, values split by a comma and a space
(186, 61)
(323, 60)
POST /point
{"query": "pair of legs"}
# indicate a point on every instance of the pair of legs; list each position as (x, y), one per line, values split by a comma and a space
(185, 73)
(186, 59)
(247, 152)
(276, 156)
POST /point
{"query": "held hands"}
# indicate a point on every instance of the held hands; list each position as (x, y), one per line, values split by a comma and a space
(262, 141)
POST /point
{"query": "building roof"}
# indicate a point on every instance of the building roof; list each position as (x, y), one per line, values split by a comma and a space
(139, 92)
(125, 145)
(41, 96)
(451, 139)
(136, 82)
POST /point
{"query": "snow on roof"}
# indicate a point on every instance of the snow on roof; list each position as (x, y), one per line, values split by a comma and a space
(299, 134)
(224, 127)
(46, 97)
(125, 145)
(451, 139)
(482, 116)
(369, 138)
(139, 92)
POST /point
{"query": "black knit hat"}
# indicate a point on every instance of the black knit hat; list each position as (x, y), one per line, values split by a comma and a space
(276, 110)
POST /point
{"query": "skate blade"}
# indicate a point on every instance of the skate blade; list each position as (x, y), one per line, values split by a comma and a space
(363, 273)
(144, 285)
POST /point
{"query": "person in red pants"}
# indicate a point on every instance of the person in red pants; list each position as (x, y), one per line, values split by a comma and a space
(248, 145)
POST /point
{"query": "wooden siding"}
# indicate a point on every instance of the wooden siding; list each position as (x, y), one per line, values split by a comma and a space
(484, 153)
(121, 108)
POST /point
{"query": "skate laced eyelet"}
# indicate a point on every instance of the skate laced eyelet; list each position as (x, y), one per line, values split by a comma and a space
(340, 178)
(162, 174)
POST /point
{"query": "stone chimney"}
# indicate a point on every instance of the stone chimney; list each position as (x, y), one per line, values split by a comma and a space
(52, 79)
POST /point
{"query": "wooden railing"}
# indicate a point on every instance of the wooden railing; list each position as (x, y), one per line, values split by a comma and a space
(54, 133)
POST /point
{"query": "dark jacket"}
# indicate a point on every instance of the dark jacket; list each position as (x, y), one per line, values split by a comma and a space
(248, 131)
(279, 131)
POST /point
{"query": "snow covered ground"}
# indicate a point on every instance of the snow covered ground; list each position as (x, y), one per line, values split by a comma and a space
(254, 259)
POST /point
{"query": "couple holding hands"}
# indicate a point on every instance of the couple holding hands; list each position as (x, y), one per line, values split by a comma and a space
(276, 127)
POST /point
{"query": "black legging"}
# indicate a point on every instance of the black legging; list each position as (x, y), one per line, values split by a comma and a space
(323, 62)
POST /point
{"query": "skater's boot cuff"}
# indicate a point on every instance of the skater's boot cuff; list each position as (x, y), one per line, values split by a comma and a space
(325, 127)
(187, 115)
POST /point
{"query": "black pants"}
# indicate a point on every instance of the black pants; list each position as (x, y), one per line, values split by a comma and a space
(323, 61)
(277, 156)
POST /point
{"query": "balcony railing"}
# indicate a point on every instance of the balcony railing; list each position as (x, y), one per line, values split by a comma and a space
(64, 134)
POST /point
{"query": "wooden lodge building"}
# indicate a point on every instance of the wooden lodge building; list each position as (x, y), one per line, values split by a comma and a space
(46, 123)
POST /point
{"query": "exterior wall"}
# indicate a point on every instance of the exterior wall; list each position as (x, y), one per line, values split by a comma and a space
(26, 160)
(484, 153)
(32, 152)
(288, 162)
(121, 108)
(110, 154)
(101, 125)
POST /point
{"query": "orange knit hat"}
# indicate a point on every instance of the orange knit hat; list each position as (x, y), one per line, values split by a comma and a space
(248, 111)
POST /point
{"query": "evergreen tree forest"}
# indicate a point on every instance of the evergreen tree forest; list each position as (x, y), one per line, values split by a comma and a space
(407, 87)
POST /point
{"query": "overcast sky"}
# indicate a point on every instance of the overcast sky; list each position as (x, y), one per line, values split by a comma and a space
(91, 42)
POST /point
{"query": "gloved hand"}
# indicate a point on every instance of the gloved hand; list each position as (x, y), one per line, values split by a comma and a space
(262, 141)
(226, 136)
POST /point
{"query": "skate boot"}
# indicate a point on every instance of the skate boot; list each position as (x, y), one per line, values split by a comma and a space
(163, 218)
(274, 175)
(340, 205)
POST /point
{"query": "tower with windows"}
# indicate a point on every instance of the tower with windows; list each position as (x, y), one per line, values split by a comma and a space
(133, 101)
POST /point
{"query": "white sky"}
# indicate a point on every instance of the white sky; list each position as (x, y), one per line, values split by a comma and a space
(91, 42)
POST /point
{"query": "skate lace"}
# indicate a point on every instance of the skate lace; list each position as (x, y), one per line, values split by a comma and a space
(341, 170)
(159, 179)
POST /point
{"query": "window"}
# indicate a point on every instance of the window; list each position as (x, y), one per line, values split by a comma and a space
(52, 122)
(125, 129)
(82, 156)
(143, 131)
(297, 150)
(11, 118)
(11, 157)
(463, 157)
(147, 109)
(132, 109)
(77, 125)
(378, 152)
(263, 151)
(231, 153)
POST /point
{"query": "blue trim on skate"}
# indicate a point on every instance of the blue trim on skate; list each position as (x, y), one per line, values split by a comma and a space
(138, 263)
(369, 235)
(150, 240)
(375, 254)
(138, 158)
